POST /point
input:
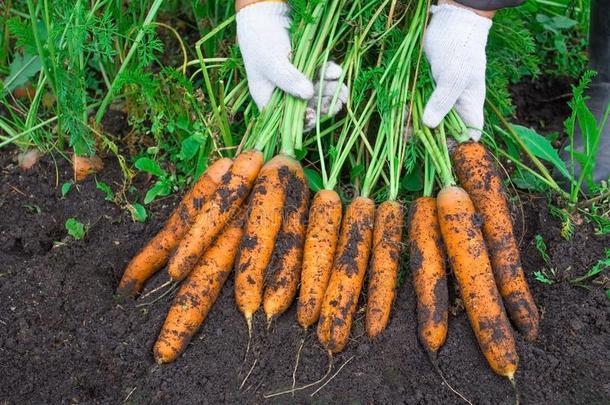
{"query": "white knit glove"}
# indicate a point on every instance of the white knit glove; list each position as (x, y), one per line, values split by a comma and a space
(264, 41)
(326, 88)
(455, 46)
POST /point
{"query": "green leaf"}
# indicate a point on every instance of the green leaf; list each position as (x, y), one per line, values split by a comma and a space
(527, 181)
(21, 70)
(541, 246)
(300, 154)
(541, 277)
(541, 148)
(608, 293)
(105, 188)
(601, 265)
(150, 166)
(413, 181)
(190, 147)
(356, 171)
(562, 22)
(313, 178)
(75, 228)
(65, 188)
(138, 212)
(161, 188)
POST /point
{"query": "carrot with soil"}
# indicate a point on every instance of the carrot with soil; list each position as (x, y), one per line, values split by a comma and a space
(198, 293)
(352, 256)
(155, 254)
(460, 228)
(285, 267)
(479, 177)
(273, 209)
(325, 214)
(347, 275)
(223, 205)
(264, 219)
(389, 220)
(427, 263)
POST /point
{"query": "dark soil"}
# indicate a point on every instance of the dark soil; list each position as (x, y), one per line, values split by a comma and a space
(543, 103)
(65, 338)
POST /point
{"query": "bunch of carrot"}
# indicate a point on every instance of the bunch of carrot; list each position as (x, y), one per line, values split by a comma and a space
(472, 226)
(214, 228)
(252, 213)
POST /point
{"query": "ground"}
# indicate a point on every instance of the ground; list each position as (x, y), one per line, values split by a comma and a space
(64, 337)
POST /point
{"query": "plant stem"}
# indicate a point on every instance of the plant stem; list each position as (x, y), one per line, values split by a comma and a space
(110, 94)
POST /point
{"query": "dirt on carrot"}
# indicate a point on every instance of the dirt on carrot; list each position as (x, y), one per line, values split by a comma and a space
(69, 340)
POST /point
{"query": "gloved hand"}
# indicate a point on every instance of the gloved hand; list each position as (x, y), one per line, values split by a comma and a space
(264, 41)
(327, 86)
(454, 44)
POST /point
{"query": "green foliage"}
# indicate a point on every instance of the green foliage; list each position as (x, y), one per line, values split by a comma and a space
(65, 188)
(138, 212)
(590, 130)
(105, 188)
(601, 265)
(541, 147)
(541, 247)
(75, 228)
(21, 70)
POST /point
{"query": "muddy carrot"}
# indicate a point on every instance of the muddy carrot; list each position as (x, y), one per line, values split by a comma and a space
(427, 262)
(284, 270)
(216, 212)
(460, 228)
(347, 275)
(156, 252)
(84, 166)
(385, 259)
(318, 253)
(198, 293)
(479, 177)
(263, 223)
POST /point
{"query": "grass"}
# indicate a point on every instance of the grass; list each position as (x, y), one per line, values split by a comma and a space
(173, 68)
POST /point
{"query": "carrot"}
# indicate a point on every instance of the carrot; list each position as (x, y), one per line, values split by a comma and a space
(479, 177)
(284, 269)
(84, 166)
(468, 257)
(198, 293)
(263, 223)
(156, 252)
(387, 236)
(27, 91)
(318, 253)
(427, 262)
(347, 275)
(216, 212)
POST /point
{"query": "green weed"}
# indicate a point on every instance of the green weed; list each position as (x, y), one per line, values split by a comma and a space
(75, 228)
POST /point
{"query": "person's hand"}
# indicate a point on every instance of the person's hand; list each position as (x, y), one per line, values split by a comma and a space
(264, 41)
(454, 44)
(327, 86)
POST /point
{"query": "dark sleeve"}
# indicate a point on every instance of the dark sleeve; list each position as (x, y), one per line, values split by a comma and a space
(488, 5)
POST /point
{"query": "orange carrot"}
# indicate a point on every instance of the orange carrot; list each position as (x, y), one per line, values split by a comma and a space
(427, 261)
(156, 252)
(479, 177)
(198, 293)
(216, 212)
(387, 236)
(348, 272)
(318, 254)
(84, 166)
(460, 228)
(284, 269)
(265, 210)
